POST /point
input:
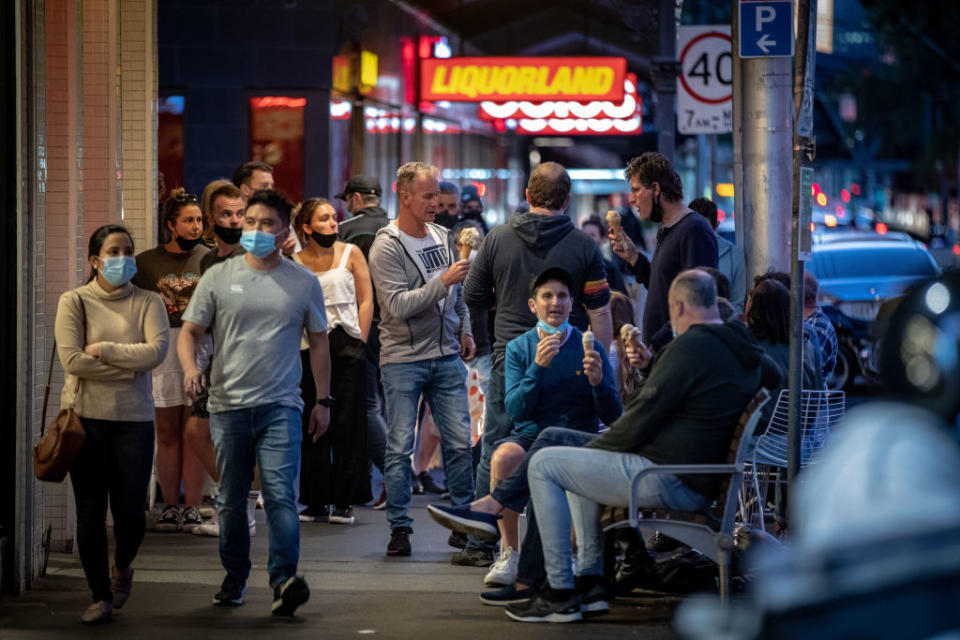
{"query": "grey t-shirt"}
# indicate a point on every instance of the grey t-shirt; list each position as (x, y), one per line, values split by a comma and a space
(257, 318)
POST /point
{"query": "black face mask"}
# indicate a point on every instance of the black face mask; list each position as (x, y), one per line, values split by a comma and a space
(445, 219)
(656, 211)
(471, 214)
(187, 245)
(325, 240)
(230, 235)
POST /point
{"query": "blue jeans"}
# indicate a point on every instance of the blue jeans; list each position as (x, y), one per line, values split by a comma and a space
(270, 436)
(497, 425)
(442, 382)
(573, 483)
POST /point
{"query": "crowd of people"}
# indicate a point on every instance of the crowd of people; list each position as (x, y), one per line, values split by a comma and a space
(279, 355)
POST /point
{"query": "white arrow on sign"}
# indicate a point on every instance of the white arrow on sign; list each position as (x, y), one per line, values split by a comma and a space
(765, 43)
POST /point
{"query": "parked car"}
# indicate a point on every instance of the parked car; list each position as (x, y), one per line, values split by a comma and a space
(857, 274)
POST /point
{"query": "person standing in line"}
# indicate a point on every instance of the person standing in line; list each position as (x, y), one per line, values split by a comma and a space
(730, 259)
(362, 195)
(341, 479)
(172, 269)
(499, 278)
(257, 308)
(109, 335)
(253, 176)
(683, 241)
(425, 329)
(448, 211)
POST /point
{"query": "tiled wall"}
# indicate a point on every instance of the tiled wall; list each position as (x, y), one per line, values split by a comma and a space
(92, 132)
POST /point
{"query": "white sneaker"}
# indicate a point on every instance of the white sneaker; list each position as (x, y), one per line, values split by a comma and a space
(212, 529)
(503, 572)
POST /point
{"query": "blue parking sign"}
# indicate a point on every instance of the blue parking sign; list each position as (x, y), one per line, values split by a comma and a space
(766, 28)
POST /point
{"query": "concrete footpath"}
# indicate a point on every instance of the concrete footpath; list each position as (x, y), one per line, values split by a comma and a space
(356, 590)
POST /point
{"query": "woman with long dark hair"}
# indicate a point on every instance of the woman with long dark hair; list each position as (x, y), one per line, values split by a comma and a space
(334, 470)
(172, 269)
(110, 334)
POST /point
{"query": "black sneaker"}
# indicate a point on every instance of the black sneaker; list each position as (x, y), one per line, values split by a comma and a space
(399, 544)
(342, 515)
(170, 520)
(473, 558)
(594, 598)
(548, 606)
(506, 595)
(415, 487)
(315, 514)
(231, 592)
(289, 595)
(457, 540)
(429, 484)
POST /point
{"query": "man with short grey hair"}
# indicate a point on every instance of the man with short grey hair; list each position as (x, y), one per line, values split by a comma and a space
(424, 331)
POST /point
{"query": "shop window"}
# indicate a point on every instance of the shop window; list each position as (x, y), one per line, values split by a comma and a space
(276, 137)
(170, 143)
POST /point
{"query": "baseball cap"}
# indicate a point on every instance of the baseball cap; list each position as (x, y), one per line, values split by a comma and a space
(469, 193)
(551, 273)
(361, 184)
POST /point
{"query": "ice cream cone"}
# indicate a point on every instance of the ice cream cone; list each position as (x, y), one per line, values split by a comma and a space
(587, 341)
(613, 221)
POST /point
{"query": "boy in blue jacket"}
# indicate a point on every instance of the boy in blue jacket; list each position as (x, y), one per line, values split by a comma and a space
(554, 378)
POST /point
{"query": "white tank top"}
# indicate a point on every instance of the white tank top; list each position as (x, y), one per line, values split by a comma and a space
(339, 295)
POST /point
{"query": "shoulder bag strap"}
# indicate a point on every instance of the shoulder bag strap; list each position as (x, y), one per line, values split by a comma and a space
(83, 317)
(46, 390)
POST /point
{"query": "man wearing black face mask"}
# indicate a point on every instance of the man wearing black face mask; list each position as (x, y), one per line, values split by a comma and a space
(224, 212)
(684, 241)
(448, 207)
(471, 207)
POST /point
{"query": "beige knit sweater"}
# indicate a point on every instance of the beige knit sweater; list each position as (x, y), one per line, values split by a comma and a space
(131, 325)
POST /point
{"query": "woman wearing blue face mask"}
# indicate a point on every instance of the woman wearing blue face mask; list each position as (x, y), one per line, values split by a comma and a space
(173, 270)
(110, 334)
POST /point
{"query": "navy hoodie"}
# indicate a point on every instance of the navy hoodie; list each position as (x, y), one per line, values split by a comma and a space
(513, 254)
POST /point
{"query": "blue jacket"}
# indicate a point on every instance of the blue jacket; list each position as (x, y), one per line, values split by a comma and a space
(559, 395)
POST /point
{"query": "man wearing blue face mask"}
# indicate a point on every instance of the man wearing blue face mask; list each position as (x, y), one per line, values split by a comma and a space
(257, 307)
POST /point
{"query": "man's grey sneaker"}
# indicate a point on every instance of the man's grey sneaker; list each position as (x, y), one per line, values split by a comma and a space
(315, 514)
(342, 515)
(97, 613)
(506, 595)
(399, 544)
(289, 595)
(594, 598)
(191, 519)
(457, 540)
(429, 484)
(548, 606)
(462, 519)
(121, 584)
(231, 592)
(473, 558)
(170, 520)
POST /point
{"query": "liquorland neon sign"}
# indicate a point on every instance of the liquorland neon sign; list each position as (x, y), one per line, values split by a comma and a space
(534, 79)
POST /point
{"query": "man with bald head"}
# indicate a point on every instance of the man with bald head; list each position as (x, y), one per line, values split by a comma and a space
(500, 276)
(685, 413)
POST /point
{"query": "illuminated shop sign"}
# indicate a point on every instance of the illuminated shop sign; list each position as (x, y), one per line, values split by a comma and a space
(536, 79)
(598, 117)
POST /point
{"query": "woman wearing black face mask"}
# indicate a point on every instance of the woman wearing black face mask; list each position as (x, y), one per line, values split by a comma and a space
(173, 270)
(341, 480)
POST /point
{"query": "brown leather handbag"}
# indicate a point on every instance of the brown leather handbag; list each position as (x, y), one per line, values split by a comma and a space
(61, 440)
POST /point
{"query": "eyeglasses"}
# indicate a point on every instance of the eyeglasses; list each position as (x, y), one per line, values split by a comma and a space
(185, 197)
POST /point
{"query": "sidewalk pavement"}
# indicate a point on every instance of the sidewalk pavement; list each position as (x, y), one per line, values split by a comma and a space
(355, 590)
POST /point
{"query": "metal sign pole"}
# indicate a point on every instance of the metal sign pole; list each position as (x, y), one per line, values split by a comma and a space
(803, 177)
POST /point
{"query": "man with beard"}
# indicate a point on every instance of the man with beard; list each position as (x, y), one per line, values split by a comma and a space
(684, 241)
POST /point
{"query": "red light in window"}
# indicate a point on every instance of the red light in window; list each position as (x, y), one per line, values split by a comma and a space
(855, 189)
(956, 249)
(882, 228)
(845, 195)
(426, 45)
(816, 188)
(812, 226)
(263, 102)
(481, 188)
(841, 212)
(408, 64)
(721, 216)
(393, 186)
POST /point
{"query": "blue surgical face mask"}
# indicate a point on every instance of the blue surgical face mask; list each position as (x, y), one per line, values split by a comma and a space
(259, 243)
(549, 328)
(117, 270)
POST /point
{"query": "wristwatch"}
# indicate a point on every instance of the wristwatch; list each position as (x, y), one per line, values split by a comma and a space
(325, 402)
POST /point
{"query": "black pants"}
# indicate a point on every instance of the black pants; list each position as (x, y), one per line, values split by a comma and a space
(115, 461)
(335, 469)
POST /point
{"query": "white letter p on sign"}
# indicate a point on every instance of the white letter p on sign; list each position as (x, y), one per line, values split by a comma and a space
(764, 15)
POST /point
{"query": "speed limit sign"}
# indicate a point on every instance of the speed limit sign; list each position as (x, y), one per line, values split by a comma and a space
(705, 94)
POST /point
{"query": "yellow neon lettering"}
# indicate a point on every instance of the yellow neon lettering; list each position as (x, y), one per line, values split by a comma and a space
(468, 81)
(507, 80)
(528, 79)
(439, 75)
(542, 74)
(602, 80)
(578, 84)
(561, 81)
